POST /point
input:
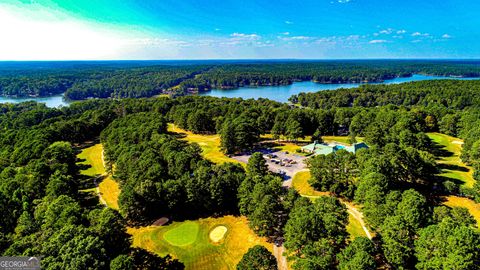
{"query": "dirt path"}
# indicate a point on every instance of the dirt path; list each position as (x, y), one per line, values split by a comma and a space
(358, 216)
(281, 260)
(354, 212)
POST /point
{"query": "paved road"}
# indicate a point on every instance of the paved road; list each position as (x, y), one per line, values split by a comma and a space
(277, 168)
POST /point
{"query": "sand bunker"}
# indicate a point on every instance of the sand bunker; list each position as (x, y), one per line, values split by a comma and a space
(217, 234)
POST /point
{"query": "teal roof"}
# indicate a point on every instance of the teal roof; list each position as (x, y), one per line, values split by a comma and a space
(357, 146)
(323, 149)
(310, 147)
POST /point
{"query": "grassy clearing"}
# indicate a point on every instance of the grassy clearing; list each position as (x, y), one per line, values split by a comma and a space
(288, 147)
(110, 190)
(473, 208)
(269, 136)
(453, 166)
(300, 183)
(354, 228)
(93, 157)
(210, 144)
(193, 246)
(340, 139)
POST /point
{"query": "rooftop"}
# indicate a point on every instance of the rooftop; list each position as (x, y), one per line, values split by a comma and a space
(325, 149)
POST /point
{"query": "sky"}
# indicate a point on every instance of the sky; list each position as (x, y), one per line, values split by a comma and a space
(240, 29)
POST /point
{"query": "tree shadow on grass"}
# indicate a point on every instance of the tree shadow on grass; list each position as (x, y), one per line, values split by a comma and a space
(439, 150)
(453, 167)
(87, 194)
(442, 179)
(178, 135)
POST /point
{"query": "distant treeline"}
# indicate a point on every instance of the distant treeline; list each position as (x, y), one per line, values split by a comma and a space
(452, 94)
(115, 80)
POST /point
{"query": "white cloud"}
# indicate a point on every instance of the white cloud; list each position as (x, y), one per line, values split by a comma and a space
(300, 37)
(217, 29)
(343, 1)
(399, 32)
(245, 36)
(446, 36)
(295, 38)
(286, 33)
(377, 41)
(386, 31)
(418, 34)
(288, 22)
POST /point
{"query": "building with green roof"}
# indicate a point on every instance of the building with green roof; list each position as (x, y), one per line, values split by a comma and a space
(324, 149)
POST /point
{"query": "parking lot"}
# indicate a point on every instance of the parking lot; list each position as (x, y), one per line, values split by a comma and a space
(279, 162)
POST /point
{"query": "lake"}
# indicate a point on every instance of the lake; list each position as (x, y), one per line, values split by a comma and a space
(53, 101)
(282, 93)
(277, 93)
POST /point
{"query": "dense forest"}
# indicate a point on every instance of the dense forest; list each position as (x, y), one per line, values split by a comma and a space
(82, 80)
(395, 180)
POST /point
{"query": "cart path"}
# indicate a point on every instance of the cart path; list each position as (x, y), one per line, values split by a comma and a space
(358, 216)
(97, 189)
(281, 259)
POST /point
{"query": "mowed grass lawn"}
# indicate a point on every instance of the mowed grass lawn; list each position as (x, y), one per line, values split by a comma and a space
(354, 228)
(93, 157)
(300, 183)
(109, 189)
(459, 170)
(189, 242)
(340, 139)
(210, 144)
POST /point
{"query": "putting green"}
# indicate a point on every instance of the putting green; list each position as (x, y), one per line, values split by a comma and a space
(203, 254)
(217, 234)
(183, 235)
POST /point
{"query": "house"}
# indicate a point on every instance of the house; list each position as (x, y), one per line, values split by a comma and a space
(324, 149)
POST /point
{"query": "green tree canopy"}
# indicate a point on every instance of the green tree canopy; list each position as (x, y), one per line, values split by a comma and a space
(257, 258)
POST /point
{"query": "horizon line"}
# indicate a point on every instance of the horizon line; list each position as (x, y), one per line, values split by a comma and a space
(239, 59)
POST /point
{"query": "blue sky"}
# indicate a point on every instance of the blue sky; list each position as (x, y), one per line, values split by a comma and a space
(188, 29)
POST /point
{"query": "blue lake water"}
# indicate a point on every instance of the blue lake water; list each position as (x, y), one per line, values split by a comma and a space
(282, 93)
(53, 101)
(277, 93)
